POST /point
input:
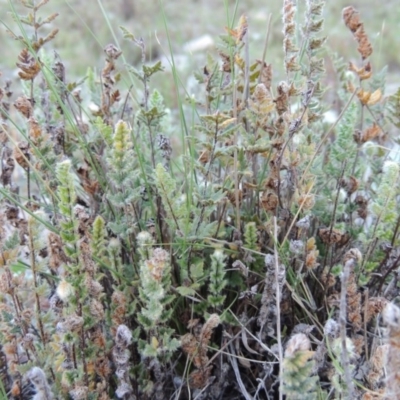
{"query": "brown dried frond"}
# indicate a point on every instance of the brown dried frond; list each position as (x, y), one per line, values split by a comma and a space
(239, 61)
(40, 4)
(204, 156)
(280, 126)
(96, 310)
(226, 62)
(91, 186)
(196, 345)
(368, 98)
(362, 203)
(7, 167)
(350, 87)
(22, 154)
(112, 53)
(189, 344)
(289, 30)
(289, 46)
(115, 97)
(311, 254)
(79, 393)
(352, 254)
(24, 106)
(377, 364)
(35, 131)
(206, 332)
(118, 301)
(306, 201)
(241, 30)
(289, 11)
(291, 64)
(42, 41)
(157, 263)
(373, 307)
(56, 252)
(352, 21)
(231, 195)
(102, 366)
(365, 72)
(364, 45)
(197, 351)
(315, 44)
(94, 287)
(359, 343)
(269, 201)
(265, 74)
(59, 71)
(47, 20)
(330, 236)
(72, 323)
(370, 133)
(16, 389)
(351, 18)
(86, 256)
(328, 279)
(261, 102)
(85, 222)
(28, 65)
(351, 184)
(198, 378)
(282, 100)
(354, 313)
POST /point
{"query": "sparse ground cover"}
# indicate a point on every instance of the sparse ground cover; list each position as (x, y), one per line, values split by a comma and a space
(210, 211)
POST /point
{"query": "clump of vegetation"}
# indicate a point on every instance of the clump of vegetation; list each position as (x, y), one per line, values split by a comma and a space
(243, 250)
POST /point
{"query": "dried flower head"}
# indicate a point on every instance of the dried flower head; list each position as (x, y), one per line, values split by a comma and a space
(123, 337)
(144, 238)
(79, 393)
(64, 290)
(298, 342)
(157, 263)
(112, 51)
(212, 322)
(331, 328)
(96, 309)
(330, 236)
(391, 316)
(353, 254)
(28, 66)
(38, 379)
(306, 201)
(22, 154)
(296, 246)
(24, 106)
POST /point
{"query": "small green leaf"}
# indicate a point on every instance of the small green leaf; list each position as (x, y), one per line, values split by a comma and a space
(185, 291)
(127, 35)
(149, 71)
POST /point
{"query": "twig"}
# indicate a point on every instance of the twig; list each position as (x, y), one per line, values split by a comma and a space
(342, 322)
(235, 367)
(278, 311)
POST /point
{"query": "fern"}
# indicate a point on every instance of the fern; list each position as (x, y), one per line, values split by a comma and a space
(298, 382)
(217, 279)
